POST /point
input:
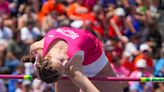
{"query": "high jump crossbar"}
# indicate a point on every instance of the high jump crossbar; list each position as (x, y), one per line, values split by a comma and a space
(141, 79)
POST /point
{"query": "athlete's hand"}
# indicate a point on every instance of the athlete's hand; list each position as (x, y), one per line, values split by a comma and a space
(71, 67)
(36, 46)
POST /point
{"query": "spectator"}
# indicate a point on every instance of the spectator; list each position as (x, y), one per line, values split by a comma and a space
(110, 11)
(120, 70)
(145, 15)
(129, 3)
(77, 10)
(98, 23)
(2, 86)
(5, 32)
(133, 24)
(109, 47)
(90, 4)
(49, 21)
(29, 69)
(15, 45)
(49, 6)
(127, 61)
(21, 9)
(11, 23)
(154, 38)
(141, 72)
(35, 4)
(130, 52)
(12, 61)
(132, 46)
(116, 26)
(13, 83)
(105, 3)
(145, 54)
(160, 88)
(113, 49)
(13, 8)
(25, 87)
(53, 20)
(19, 2)
(29, 14)
(159, 66)
(37, 85)
(3, 53)
(30, 32)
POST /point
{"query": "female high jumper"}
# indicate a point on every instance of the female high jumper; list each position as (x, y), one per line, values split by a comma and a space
(74, 53)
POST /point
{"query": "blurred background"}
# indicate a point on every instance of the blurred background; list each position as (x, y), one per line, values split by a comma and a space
(132, 32)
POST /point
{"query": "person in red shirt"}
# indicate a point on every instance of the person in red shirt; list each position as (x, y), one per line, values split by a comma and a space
(77, 10)
(49, 6)
(116, 24)
(145, 54)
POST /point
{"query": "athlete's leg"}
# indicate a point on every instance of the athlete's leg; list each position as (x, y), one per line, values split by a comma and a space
(65, 86)
(107, 86)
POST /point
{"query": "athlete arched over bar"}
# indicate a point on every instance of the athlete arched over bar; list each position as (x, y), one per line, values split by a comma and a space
(75, 53)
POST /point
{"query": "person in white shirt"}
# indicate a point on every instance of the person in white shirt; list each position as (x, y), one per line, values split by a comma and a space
(30, 33)
(5, 32)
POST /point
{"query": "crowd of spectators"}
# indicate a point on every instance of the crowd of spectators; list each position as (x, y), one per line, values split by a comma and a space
(128, 29)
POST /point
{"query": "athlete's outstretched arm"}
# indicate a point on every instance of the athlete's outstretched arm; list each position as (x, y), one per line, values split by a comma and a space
(37, 45)
(33, 48)
(74, 72)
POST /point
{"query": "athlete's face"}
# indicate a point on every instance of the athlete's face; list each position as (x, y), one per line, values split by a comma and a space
(57, 65)
(55, 62)
(49, 69)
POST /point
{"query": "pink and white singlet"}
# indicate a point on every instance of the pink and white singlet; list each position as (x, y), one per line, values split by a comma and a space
(80, 42)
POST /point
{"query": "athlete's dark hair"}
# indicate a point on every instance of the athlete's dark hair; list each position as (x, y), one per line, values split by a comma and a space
(45, 70)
